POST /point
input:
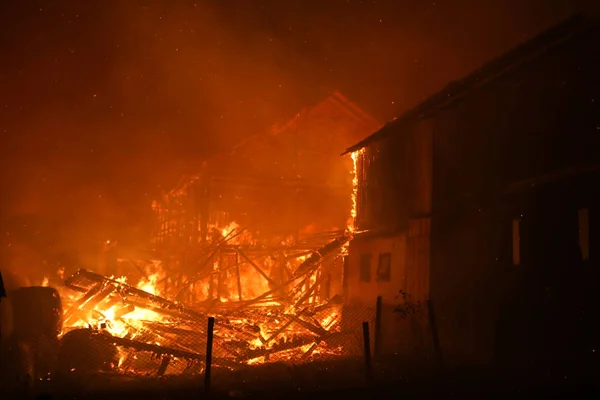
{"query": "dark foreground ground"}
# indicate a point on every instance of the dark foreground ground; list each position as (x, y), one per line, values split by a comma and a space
(432, 389)
(346, 379)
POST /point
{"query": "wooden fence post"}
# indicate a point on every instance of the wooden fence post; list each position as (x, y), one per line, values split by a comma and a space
(209, 346)
(367, 349)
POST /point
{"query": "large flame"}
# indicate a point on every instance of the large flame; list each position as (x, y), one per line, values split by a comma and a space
(351, 225)
(232, 280)
(354, 211)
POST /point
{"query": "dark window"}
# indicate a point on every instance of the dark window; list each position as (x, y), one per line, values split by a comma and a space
(365, 268)
(384, 268)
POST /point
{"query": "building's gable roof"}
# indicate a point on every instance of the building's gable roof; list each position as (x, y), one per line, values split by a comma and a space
(335, 103)
(485, 74)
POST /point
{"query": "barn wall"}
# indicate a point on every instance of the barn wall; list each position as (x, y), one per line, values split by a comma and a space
(491, 311)
(394, 195)
(522, 147)
(541, 117)
(537, 123)
(361, 291)
(407, 335)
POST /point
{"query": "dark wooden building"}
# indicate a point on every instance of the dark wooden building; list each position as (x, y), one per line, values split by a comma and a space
(484, 200)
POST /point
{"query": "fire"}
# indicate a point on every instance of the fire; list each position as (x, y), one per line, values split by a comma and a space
(353, 212)
(268, 307)
(351, 225)
(150, 282)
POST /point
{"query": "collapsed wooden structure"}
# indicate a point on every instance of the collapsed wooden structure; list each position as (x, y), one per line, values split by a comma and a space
(294, 327)
(288, 188)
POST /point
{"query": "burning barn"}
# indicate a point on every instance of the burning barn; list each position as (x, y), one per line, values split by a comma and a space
(257, 240)
(482, 201)
(269, 202)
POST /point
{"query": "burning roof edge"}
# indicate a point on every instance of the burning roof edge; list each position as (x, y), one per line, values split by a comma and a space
(487, 73)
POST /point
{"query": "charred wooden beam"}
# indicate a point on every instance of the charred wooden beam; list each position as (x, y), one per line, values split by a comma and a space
(309, 352)
(277, 332)
(122, 311)
(153, 302)
(238, 276)
(311, 290)
(83, 300)
(257, 268)
(317, 330)
(164, 364)
(265, 295)
(309, 264)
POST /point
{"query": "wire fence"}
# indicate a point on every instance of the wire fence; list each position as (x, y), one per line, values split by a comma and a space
(243, 317)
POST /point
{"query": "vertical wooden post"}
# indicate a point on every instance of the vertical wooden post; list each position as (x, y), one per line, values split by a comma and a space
(378, 333)
(345, 278)
(209, 348)
(237, 272)
(164, 364)
(221, 276)
(367, 349)
(204, 205)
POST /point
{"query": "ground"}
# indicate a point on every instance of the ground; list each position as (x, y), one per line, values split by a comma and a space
(463, 384)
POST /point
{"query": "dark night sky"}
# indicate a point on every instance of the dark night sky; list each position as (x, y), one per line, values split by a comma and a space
(105, 103)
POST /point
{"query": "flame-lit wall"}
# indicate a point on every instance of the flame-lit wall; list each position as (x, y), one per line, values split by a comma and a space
(519, 146)
(364, 288)
(394, 198)
(523, 148)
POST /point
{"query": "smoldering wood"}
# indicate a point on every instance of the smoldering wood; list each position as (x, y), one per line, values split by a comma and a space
(164, 364)
(238, 276)
(179, 334)
(293, 343)
(96, 295)
(309, 292)
(318, 255)
(318, 330)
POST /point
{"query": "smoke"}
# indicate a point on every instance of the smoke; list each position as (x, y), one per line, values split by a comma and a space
(113, 103)
(106, 103)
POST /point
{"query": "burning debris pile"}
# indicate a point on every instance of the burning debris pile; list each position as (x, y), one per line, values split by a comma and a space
(275, 300)
(113, 326)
